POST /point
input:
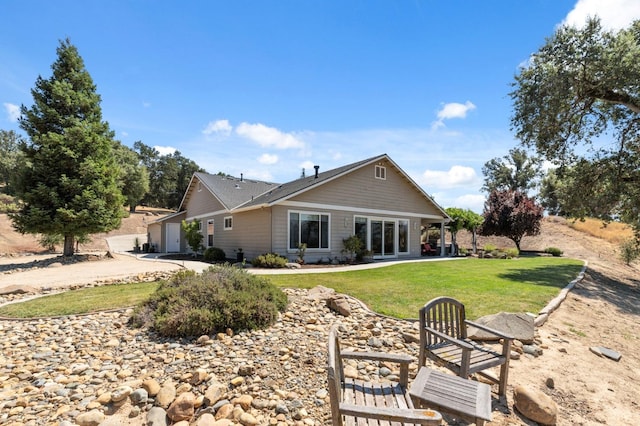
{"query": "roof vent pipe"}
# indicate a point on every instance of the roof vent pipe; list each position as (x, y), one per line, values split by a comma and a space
(316, 167)
(241, 177)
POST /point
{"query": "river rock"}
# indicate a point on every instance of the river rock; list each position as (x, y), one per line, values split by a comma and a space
(157, 417)
(182, 408)
(90, 418)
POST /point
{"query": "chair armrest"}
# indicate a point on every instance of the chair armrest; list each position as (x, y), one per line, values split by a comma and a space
(378, 356)
(489, 330)
(402, 359)
(403, 415)
(461, 343)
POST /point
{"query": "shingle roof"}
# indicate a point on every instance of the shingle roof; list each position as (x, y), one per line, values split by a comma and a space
(286, 190)
(232, 191)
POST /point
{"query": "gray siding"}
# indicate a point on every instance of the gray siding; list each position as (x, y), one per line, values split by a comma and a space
(361, 189)
(201, 202)
(251, 232)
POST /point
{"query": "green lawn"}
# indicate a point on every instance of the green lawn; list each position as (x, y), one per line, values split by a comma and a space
(484, 286)
(82, 301)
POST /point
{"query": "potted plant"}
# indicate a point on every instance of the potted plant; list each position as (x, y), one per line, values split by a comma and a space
(136, 245)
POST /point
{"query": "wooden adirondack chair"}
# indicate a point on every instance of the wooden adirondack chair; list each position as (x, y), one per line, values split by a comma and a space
(364, 403)
(443, 339)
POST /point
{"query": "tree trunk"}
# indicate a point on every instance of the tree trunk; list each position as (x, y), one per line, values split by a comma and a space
(68, 245)
(474, 241)
(132, 208)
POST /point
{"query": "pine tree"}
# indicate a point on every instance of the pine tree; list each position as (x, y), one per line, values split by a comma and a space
(69, 182)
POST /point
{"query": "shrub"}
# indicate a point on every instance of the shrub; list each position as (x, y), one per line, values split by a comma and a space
(214, 254)
(553, 251)
(50, 241)
(512, 252)
(352, 246)
(8, 204)
(269, 260)
(489, 248)
(629, 250)
(221, 298)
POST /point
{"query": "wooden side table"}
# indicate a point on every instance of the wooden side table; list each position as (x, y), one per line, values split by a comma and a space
(466, 399)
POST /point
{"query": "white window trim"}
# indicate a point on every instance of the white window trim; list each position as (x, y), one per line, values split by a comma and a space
(228, 218)
(313, 250)
(380, 172)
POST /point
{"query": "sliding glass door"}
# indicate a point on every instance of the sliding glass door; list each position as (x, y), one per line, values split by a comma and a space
(383, 238)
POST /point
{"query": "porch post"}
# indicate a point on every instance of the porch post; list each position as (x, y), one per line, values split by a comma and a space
(443, 246)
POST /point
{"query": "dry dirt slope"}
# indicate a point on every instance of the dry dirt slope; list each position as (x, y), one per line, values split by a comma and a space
(12, 242)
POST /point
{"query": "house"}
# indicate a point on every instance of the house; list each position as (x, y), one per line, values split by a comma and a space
(373, 199)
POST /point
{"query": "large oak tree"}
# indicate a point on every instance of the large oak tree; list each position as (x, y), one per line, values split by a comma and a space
(68, 184)
(577, 102)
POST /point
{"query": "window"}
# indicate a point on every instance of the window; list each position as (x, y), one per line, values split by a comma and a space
(361, 230)
(228, 223)
(381, 172)
(210, 233)
(311, 229)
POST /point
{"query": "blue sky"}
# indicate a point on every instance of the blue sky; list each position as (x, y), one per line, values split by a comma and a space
(267, 88)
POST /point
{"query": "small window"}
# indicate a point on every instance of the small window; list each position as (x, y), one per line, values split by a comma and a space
(381, 172)
(199, 186)
(210, 233)
(228, 223)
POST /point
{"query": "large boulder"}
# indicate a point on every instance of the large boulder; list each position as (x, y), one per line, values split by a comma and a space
(518, 325)
(535, 405)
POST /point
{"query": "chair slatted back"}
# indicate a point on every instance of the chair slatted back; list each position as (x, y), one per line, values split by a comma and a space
(445, 315)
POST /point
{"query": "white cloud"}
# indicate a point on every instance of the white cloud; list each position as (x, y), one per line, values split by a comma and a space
(473, 202)
(125, 134)
(13, 111)
(219, 127)
(146, 104)
(268, 137)
(165, 150)
(614, 14)
(456, 176)
(268, 159)
(452, 110)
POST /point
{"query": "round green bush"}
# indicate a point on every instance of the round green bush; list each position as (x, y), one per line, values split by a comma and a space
(553, 251)
(221, 298)
(214, 254)
(269, 260)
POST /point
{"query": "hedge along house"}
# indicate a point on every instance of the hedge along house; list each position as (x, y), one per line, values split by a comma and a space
(373, 199)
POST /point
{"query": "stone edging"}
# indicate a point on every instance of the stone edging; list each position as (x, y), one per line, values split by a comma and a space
(543, 315)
